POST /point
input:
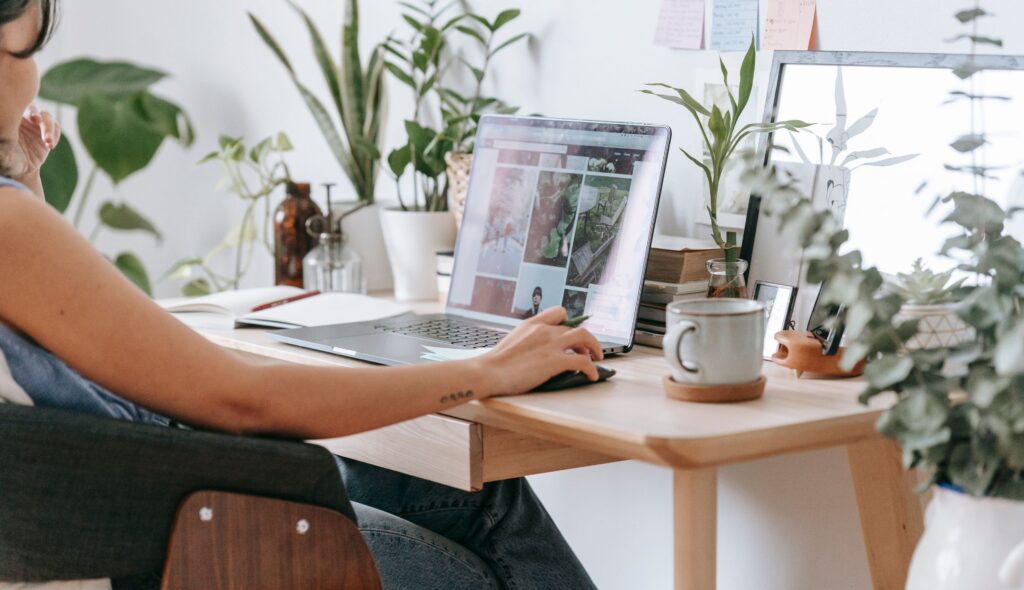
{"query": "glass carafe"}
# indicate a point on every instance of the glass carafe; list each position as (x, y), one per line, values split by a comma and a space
(333, 267)
(727, 278)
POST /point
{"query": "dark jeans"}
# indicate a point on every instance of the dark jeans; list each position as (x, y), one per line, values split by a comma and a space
(425, 535)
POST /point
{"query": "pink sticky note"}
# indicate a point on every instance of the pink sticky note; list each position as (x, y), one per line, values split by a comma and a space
(789, 24)
(681, 24)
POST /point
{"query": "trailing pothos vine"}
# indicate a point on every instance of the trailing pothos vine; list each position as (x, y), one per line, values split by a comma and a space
(962, 428)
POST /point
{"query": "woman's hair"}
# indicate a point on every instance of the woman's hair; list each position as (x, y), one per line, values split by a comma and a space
(538, 291)
(10, 10)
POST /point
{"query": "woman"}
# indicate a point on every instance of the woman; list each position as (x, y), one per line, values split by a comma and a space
(76, 334)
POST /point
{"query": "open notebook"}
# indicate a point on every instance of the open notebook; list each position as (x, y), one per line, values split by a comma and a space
(234, 308)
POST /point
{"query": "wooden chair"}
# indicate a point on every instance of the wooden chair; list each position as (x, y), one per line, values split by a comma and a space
(85, 498)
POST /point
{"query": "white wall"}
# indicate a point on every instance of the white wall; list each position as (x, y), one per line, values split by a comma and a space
(787, 523)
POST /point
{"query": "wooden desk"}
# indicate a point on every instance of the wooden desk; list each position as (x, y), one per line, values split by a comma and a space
(630, 418)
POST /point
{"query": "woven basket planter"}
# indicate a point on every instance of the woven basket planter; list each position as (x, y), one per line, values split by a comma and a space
(459, 165)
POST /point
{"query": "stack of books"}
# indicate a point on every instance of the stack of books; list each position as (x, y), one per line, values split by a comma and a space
(680, 260)
(650, 323)
(445, 267)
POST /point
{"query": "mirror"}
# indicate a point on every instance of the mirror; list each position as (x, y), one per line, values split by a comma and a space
(878, 154)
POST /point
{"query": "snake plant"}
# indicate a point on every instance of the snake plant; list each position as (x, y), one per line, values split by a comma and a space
(357, 94)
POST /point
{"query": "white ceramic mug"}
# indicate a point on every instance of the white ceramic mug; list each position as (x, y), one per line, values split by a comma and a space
(715, 341)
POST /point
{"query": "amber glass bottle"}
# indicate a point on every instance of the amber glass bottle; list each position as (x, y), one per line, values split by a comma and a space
(291, 241)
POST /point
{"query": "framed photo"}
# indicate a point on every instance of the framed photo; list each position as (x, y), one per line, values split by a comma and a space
(778, 301)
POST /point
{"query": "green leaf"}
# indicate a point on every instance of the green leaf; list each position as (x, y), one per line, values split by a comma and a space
(402, 76)
(1009, 354)
(119, 140)
(272, 43)
(415, 24)
(131, 267)
(966, 16)
(282, 143)
(477, 73)
(165, 118)
(72, 81)
(399, 159)
(888, 370)
(196, 288)
(122, 217)
(505, 17)
(688, 100)
(968, 143)
(747, 77)
(470, 31)
(978, 39)
(60, 175)
(182, 269)
(510, 41)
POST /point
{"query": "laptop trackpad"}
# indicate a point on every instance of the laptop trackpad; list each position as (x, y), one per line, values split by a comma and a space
(383, 348)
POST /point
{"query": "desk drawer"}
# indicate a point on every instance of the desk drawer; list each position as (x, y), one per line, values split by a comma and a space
(457, 453)
(436, 448)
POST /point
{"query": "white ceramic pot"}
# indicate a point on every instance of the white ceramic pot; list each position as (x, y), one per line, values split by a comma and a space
(970, 544)
(367, 238)
(940, 327)
(413, 239)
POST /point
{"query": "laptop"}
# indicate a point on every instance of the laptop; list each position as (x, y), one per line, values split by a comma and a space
(558, 212)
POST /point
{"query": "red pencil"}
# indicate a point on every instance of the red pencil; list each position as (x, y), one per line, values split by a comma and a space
(284, 301)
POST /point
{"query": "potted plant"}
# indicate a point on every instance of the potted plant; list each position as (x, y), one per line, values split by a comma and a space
(353, 131)
(461, 113)
(931, 298)
(722, 136)
(121, 125)
(964, 430)
(253, 175)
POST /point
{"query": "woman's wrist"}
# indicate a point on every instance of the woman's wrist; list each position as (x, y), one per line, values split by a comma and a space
(482, 375)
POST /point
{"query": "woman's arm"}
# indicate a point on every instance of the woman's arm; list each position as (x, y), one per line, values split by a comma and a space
(57, 289)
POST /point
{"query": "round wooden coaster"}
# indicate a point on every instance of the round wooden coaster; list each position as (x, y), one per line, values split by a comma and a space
(713, 394)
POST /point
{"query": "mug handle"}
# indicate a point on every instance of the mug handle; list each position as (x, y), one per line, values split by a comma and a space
(1011, 574)
(673, 338)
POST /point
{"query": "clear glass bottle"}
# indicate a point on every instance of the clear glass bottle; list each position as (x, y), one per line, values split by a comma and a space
(333, 267)
(727, 278)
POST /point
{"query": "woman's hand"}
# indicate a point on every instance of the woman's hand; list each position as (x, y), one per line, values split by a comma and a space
(539, 349)
(38, 134)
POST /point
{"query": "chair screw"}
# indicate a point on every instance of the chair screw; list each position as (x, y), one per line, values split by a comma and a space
(205, 514)
(302, 526)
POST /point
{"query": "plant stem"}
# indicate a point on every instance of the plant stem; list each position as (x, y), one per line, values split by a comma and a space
(84, 198)
(241, 245)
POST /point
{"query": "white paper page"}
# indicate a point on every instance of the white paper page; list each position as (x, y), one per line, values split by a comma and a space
(235, 303)
(328, 309)
(680, 24)
(440, 353)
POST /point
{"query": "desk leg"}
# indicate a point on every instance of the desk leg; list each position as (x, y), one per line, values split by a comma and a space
(890, 512)
(695, 506)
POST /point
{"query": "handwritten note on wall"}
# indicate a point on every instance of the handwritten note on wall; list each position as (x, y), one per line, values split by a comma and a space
(789, 24)
(732, 24)
(681, 24)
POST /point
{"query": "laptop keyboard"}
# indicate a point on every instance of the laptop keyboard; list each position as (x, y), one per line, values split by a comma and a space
(449, 331)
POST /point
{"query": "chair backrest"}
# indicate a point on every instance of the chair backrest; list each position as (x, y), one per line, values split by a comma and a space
(84, 497)
(225, 541)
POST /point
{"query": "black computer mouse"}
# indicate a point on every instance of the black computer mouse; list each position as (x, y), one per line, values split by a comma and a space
(571, 379)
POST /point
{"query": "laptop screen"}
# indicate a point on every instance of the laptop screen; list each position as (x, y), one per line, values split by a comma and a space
(559, 212)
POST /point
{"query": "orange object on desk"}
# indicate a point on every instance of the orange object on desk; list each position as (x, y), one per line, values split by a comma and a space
(801, 351)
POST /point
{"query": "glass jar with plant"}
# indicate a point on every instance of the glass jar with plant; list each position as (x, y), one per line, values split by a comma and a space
(253, 175)
(722, 136)
(121, 125)
(963, 430)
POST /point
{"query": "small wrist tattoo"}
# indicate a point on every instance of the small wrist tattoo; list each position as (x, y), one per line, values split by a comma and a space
(458, 396)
